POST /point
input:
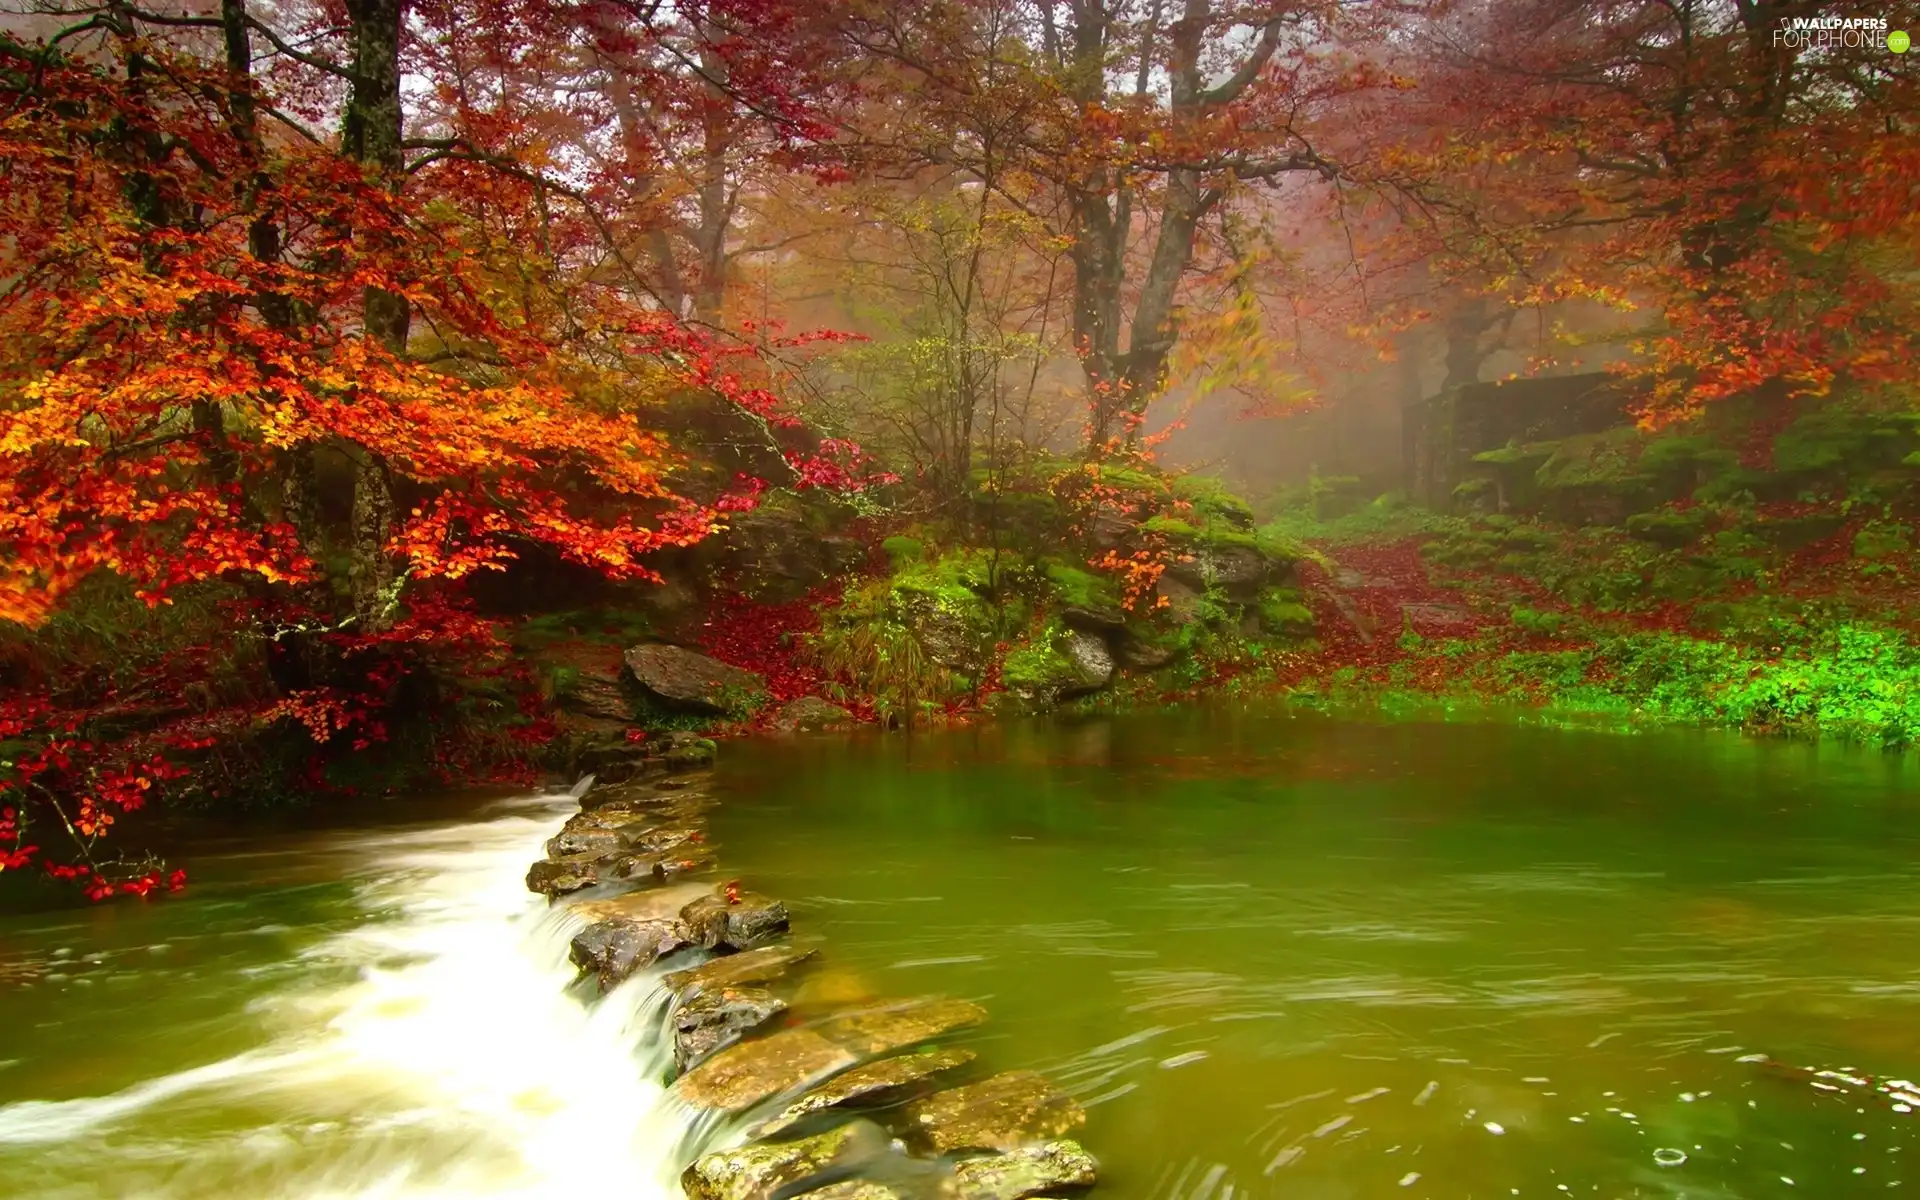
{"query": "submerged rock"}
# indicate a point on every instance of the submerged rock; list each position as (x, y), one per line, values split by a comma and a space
(1005, 1112)
(717, 1017)
(876, 1082)
(758, 1171)
(763, 965)
(614, 949)
(810, 713)
(682, 679)
(744, 1074)
(734, 919)
(1029, 1171)
(884, 1030)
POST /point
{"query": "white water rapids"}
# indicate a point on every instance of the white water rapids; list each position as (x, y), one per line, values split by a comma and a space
(454, 1063)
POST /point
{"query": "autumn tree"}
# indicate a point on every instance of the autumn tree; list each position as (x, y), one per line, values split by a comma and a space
(216, 306)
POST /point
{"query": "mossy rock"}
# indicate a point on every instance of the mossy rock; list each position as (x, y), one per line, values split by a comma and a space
(1283, 615)
(1882, 539)
(1798, 532)
(1668, 528)
(903, 551)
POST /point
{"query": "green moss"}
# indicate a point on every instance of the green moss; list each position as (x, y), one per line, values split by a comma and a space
(902, 551)
(1171, 527)
(1072, 585)
(958, 580)
(1211, 498)
(1281, 612)
(1669, 528)
(1882, 539)
(1838, 442)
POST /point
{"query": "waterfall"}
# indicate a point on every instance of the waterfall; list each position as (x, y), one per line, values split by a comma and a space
(434, 1049)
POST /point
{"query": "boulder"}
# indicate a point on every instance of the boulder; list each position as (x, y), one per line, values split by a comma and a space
(1109, 621)
(1137, 655)
(615, 948)
(764, 965)
(649, 904)
(951, 635)
(895, 1027)
(693, 682)
(1034, 1170)
(761, 1170)
(1092, 662)
(1006, 1112)
(810, 713)
(1183, 601)
(585, 840)
(1235, 569)
(717, 1017)
(880, 1082)
(732, 919)
(746, 1073)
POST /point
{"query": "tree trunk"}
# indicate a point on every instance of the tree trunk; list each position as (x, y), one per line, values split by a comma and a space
(372, 138)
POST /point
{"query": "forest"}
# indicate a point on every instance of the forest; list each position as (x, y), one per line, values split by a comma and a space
(398, 393)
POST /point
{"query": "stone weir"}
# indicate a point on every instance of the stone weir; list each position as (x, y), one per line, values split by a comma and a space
(835, 1101)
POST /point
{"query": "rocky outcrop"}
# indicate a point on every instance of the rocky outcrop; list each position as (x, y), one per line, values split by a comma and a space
(885, 1081)
(811, 714)
(897, 1026)
(1043, 1169)
(1005, 1112)
(717, 1017)
(679, 678)
(577, 872)
(619, 758)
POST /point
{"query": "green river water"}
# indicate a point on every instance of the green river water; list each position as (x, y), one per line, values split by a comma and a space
(1275, 956)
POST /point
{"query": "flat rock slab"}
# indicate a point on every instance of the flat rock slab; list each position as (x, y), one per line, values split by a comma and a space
(884, 1030)
(692, 681)
(614, 949)
(1449, 615)
(873, 1082)
(755, 1172)
(763, 965)
(1005, 1112)
(730, 918)
(717, 1017)
(648, 904)
(743, 1075)
(1029, 1171)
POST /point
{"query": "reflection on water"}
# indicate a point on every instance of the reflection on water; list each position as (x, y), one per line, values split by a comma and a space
(1301, 958)
(404, 1032)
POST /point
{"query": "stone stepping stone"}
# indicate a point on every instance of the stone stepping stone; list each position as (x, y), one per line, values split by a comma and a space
(884, 1030)
(1036, 1170)
(614, 949)
(728, 918)
(577, 872)
(875, 1082)
(745, 1074)
(1004, 1113)
(756, 1171)
(762, 965)
(718, 1017)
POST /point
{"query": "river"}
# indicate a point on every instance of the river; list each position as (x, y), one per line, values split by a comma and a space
(1271, 955)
